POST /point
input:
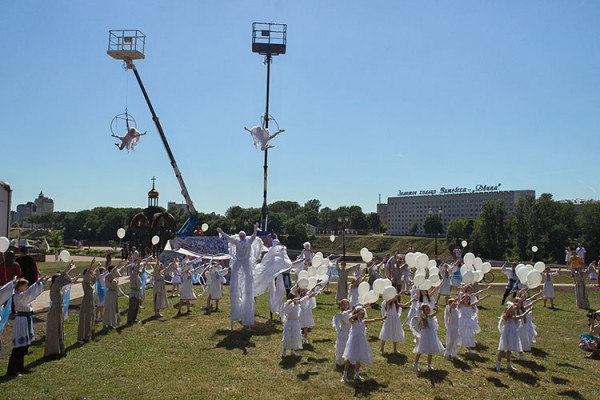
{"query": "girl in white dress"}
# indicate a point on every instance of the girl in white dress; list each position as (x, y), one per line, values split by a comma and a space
(215, 278)
(527, 331)
(548, 278)
(354, 290)
(468, 324)
(292, 335)
(307, 303)
(427, 328)
(187, 287)
(357, 349)
(451, 320)
(341, 323)
(510, 340)
(392, 330)
(176, 280)
(445, 272)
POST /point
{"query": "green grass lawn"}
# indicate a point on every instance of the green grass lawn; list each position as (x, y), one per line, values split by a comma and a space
(197, 356)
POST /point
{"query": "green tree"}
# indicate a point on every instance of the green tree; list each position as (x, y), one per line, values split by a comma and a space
(589, 220)
(55, 240)
(433, 224)
(489, 235)
(455, 233)
(413, 227)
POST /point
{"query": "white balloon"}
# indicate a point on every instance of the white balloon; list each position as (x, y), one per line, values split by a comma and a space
(539, 266)
(486, 267)
(434, 271)
(387, 282)
(478, 275)
(204, 227)
(389, 293)
(317, 260)
(466, 268)
(368, 257)
(434, 278)
(363, 288)
(303, 274)
(318, 253)
(468, 277)
(425, 285)
(332, 238)
(322, 270)
(4, 244)
(523, 273)
(312, 271)
(378, 286)
(121, 233)
(418, 279)
(477, 263)
(422, 261)
(371, 296)
(431, 264)
(436, 283)
(411, 259)
(312, 282)
(361, 299)
(155, 239)
(534, 249)
(303, 283)
(534, 279)
(464, 243)
(363, 252)
(469, 258)
(65, 256)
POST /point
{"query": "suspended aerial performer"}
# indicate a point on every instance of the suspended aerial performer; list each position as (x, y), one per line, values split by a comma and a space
(262, 136)
(130, 140)
(244, 252)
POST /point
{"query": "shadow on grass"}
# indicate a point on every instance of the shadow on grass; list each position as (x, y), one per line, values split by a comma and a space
(574, 394)
(317, 360)
(151, 318)
(481, 347)
(235, 340)
(305, 376)
(497, 382)
(476, 357)
(538, 352)
(525, 377)
(366, 387)
(531, 365)
(322, 341)
(308, 347)
(434, 377)
(460, 364)
(289, 362)
(373, 338)
(568, 365)
(395, 358)
(559, 381)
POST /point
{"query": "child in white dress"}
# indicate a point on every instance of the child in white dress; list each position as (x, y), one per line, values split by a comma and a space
(451, 320)
(307, 303)
(548, 278)
(292, 335)
(392, 330)
(357, 349)
(427, 328)
(527, 331)
(468, 323)
(510, 340)
(341, 323)
(215, 278)
(187, 287)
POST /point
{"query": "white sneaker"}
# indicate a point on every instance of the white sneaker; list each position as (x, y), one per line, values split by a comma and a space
(344, 378)
(498, 366)
(358, 377)
(416, 367)
(510, 367)
(294, 353)
(429, 367)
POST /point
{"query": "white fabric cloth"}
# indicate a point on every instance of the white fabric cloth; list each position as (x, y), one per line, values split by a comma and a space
(341, 323)
(428, 343)
(509, 335)
(306, 316)
(451, 320)
(357, 348)
(467, 326)
(187, 287)
(292, 334)
(23, 333)
(391, 330)
(549, 284)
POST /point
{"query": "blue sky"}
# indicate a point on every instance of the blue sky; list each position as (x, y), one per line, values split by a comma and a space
(375, 97)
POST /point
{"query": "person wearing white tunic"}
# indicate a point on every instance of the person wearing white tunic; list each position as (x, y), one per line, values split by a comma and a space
(268, 275)
(342, 283)
(215, 278)
(357, 349)
(176, 280)
(159, 297)
(468, 324)
(242, 276)
(427, 328)
(85, 329)
(55, 324)
(23, 334)
(292, 335)
(341, 323)
(527, 331)
(135, 292)
(111, 317)
(307, 303)
(451, 319)
(354, 290)
(510, 340)
(445, 272)
(392, 330)
(548, 278)
(187, 287)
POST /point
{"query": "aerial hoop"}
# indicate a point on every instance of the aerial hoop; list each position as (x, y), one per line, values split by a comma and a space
(121, 123)
(268, 117)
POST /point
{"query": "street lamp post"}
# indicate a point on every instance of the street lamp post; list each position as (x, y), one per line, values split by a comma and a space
(344, 222)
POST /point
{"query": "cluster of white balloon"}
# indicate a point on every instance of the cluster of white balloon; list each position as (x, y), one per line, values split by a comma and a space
(427, 273)
(366, 255)
(473, 268)
(381, 287)
(530, 275)
(318, 270)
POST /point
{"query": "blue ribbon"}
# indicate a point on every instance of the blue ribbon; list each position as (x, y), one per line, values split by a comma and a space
(4, 315)
(66, 301)
(144, 279)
